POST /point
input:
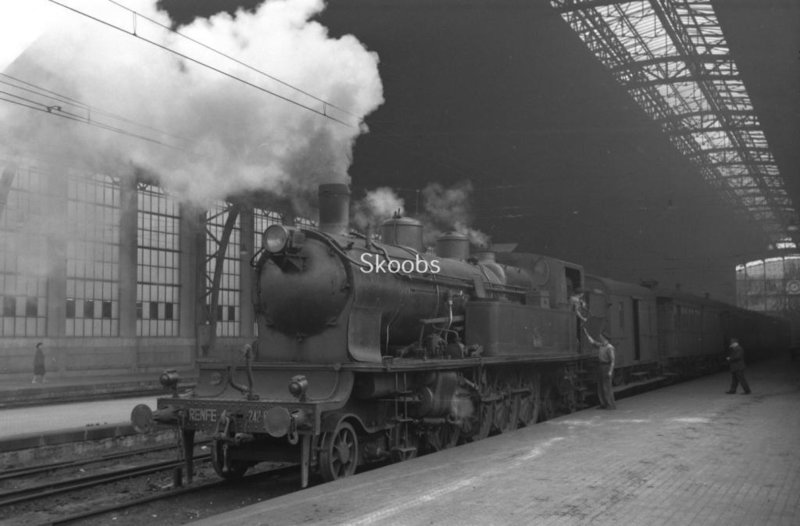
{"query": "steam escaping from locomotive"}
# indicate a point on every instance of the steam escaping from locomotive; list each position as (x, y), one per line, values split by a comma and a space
(448, 208)
(376, 206)
(201, 133)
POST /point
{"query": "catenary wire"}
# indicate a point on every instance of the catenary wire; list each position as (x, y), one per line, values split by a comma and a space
(229, 57)
(38, 106)
(91, 110)
(203, 64)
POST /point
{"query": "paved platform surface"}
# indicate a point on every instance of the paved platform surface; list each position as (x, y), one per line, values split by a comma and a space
(59, 390)
(66, 412)
(55, 418)
(685, 454)
(53, 430)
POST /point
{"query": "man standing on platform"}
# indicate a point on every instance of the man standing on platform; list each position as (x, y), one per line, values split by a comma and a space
(736, 360)
(605, 370)
(38, 365)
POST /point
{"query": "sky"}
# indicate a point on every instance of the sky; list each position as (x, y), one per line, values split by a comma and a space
(264, 101)
(21, 24)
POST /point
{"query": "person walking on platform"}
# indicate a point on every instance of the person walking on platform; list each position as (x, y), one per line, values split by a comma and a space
(38, 365)
(736, 360)
(605, 370)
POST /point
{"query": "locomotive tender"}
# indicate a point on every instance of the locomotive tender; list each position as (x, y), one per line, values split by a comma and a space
(371, 350)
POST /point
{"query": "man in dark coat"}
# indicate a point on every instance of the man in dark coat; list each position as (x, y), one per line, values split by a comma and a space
(736, 360)
(38, 365)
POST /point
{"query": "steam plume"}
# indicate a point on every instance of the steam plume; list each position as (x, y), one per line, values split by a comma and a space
(448, 209)
(375, 207)
(224, 137)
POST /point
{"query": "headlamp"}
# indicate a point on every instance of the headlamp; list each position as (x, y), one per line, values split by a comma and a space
(276, 237)
(298, 386)
(169, 379)
(280, 239)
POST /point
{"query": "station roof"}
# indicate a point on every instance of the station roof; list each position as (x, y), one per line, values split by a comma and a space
(646, 139)
(674, 61)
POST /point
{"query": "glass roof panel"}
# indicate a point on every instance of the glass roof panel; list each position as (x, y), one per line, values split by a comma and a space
(672, 57)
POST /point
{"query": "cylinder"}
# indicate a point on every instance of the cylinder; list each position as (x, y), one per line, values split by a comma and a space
(402, 231)
(334, 208)
(453, 245)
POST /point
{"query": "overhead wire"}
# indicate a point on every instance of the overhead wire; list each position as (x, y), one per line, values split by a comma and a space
(91, 111)
(233, 59)
(163, 47)
(59, 112)
(325, 103)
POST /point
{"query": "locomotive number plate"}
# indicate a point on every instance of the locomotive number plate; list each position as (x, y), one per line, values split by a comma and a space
(256, 417)
(207, 418)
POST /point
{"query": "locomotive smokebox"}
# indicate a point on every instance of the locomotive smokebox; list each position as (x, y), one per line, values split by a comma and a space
(334, 208)
(453, 245)
(403, 231)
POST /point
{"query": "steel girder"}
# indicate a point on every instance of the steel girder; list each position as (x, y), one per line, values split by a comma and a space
(673, 59)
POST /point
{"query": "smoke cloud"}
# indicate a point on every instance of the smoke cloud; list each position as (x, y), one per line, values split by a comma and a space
(377, 206)
(203, 135)
(448, 209)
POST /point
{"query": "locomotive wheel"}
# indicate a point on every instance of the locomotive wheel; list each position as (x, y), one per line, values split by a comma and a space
(443, 437)
(500, 415)
(339, 455)
(409, 447)
(481, 422)
(571, 402)
(506, 413)
(235, 468)
(548, 408)
(513, 413)
(450, 434)
(531, 403)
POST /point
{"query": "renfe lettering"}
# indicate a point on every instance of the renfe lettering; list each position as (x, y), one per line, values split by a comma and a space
(199, 414)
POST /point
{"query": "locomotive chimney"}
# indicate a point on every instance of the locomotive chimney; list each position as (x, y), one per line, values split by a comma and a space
(334, 208)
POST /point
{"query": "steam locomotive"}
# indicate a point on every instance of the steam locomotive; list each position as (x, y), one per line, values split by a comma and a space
(371, 351)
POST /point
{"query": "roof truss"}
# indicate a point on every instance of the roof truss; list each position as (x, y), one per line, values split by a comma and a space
(673, 59)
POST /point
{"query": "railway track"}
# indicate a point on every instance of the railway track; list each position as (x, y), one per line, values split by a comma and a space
(14, 473)
(37, 489)
(50, 489)
(172, 494)
(77, 491)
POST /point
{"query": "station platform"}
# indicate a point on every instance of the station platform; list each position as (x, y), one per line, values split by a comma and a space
(43, 421)
(48, 433)
(684, 454)
(59, 390)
